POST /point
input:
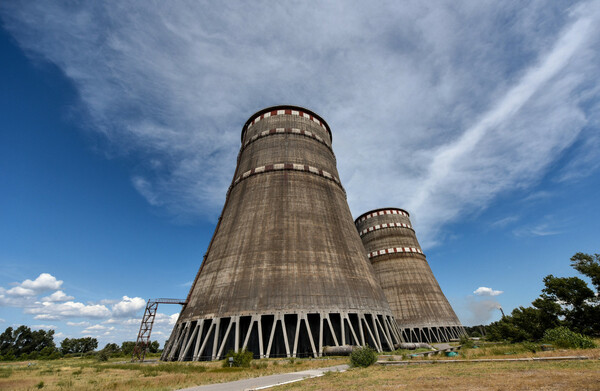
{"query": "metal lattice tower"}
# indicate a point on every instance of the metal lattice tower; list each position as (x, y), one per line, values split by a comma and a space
(143, 338)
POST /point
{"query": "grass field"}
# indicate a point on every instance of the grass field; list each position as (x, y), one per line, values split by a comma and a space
(89, 374)
(539, 375)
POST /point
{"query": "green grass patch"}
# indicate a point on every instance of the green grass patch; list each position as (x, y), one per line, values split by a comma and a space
(5, 372)
(150, 368)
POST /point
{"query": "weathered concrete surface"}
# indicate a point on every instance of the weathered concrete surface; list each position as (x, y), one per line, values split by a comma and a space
(285, 273)
(261, 383)
(415, 297)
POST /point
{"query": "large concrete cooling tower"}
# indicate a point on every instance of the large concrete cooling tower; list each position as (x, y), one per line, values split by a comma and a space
(419, 305)
(285, 272)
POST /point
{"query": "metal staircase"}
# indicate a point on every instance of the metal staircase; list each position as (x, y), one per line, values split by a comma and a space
(143, 338)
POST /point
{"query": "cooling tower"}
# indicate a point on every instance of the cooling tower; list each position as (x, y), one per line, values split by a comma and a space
(285, 273)
(418, 304)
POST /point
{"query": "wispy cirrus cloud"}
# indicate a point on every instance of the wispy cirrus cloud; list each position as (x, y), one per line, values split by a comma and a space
(434, 108)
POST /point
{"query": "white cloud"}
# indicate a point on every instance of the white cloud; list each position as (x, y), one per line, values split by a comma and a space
(47, 317)
(541, 229)
(127, 322)
(58, 296)
(504, 222)
(78, 324)
(426, 113)
(69, 309)
(43, 326)
(128, 306)
(20, 291)
(44, 282)
(164, 319)
(96, 327)
(485, 291)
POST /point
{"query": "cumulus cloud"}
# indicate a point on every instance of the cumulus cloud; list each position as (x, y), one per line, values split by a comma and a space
(128, 306)
(20, 291)
(58, 296)
(99, 327)
(43, 326)
(485, 291)
(69, 309)
(44, 282)
(427, 113)
(79, 324)
(102, 316)
(47, 317)
(23, 294)
(164, 319)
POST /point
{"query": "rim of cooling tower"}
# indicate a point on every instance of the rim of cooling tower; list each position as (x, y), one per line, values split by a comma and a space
(283, 107)
(357, 220)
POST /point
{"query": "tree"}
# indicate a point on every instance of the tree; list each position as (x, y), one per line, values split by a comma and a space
(153, 347)
(78, 345)
(111, 349)
(88, 344)
(588, 265)
(577, 302)
(127, 348)
(23, 341)
(564, 301)
(7, 342)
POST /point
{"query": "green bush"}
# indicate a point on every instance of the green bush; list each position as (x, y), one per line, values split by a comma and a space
(102, 356)
(240, 359)
(465, 342)
(565, 338)
(530, 346)
(363, 357)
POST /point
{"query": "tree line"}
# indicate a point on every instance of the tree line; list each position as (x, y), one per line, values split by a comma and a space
(567, 304)
(22, 343)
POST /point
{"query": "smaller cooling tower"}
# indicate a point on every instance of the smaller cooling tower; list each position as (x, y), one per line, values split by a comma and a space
(417, 302)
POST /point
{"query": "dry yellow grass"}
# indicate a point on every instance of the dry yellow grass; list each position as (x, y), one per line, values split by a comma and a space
(88, 374)
(538, 375)
(574, 375)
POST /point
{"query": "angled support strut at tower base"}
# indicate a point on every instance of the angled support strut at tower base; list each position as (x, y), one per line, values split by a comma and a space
(143, 338)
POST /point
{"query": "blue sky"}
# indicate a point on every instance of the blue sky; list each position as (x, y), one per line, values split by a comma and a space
(121, 124)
